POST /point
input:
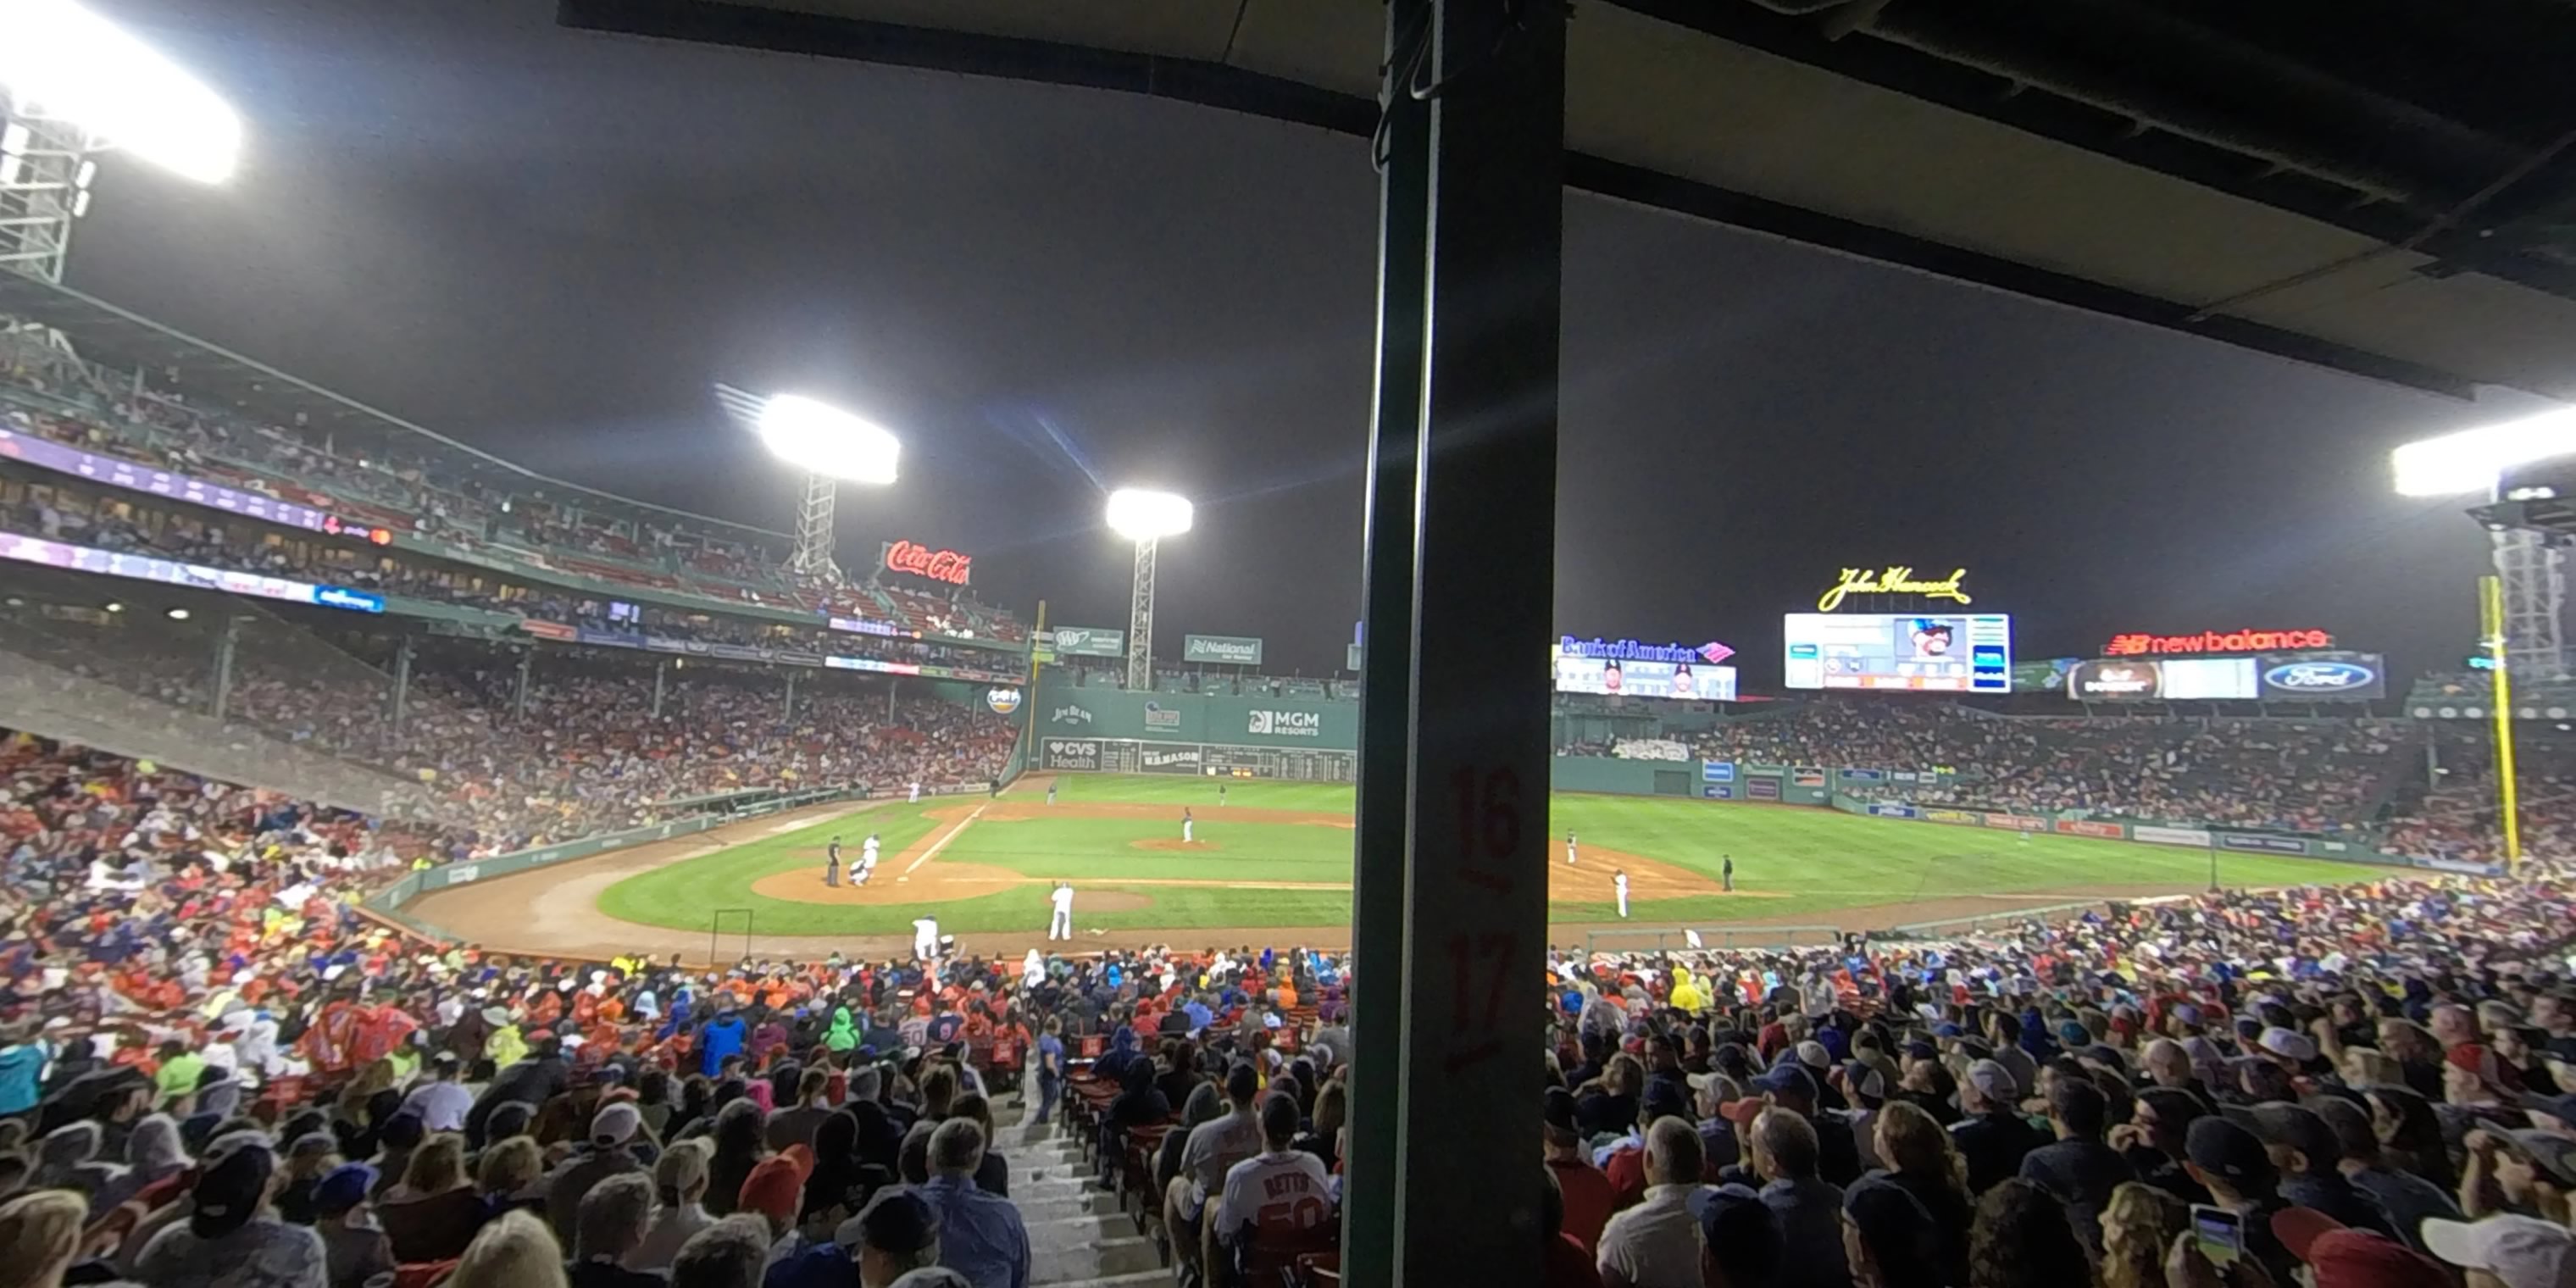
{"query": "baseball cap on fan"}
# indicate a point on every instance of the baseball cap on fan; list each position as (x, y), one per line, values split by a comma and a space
(2520, 1251)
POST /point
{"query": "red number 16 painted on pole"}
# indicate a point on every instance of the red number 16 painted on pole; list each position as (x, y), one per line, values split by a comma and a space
(1489, 825)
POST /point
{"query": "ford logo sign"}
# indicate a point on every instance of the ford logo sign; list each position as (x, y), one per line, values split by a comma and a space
(2320, 677)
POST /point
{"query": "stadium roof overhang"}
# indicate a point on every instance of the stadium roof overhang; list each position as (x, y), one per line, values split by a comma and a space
(2384, 190)
(208, 375)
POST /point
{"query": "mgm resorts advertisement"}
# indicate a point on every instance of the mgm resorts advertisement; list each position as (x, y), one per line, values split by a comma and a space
(2321, 676)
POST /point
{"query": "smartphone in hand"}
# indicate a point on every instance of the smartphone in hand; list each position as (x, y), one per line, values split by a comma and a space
(2220, 1234)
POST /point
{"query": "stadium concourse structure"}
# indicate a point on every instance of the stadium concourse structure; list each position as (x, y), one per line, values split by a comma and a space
(2381, 196)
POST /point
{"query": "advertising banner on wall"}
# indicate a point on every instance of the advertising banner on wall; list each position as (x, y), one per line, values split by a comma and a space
(1072, 753)
(1221, 650)
(1089, 641)
(2154, 835)
(1681, 680)
(1171, 760)
(2089, 827)
(2254, 844)
(169, 572)
(2327, 676)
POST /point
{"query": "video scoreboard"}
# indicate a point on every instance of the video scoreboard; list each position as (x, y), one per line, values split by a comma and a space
(1929, 652)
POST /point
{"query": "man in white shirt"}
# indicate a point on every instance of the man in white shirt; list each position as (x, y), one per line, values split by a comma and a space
(1275, 1199)
(442, 1101)
(925, 937)
(1656, 1244)
(867, 858)
(916, 794)
(1620, 879)
(1060, 926)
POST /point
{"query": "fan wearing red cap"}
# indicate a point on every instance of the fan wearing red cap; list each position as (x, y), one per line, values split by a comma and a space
(2338, 1256)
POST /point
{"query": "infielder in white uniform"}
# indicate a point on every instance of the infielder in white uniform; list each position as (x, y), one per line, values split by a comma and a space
(867, 858)
(916, 793)
(1620, 879)
(1185, 825)
(1569, 849)
(925, 937)
(1060, 926)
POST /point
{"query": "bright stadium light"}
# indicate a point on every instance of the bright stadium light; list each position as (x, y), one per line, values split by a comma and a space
(831, 446)
(828, 441)
(2472, 460)
(60, 62)
(1140, 515)
(1145, 517)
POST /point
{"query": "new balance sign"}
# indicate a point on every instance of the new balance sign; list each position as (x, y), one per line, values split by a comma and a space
(1286, 724)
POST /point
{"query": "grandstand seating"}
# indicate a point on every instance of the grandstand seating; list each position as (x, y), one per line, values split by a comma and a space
(49, 394)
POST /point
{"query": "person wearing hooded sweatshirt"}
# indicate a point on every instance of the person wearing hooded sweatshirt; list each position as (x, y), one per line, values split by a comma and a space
(722, 1039)
(1123, 1051)
(843, 1035)
(232, 1237)
(1140, 1103)
(153, 1154)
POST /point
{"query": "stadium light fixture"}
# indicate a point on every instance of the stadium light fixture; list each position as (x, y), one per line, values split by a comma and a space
(825, 440)
(1141, 515)
(64, 62)
(2472, 460)
(1145, 517)
(176, 614)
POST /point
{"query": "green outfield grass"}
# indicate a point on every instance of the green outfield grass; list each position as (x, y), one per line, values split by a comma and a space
(1808, 861)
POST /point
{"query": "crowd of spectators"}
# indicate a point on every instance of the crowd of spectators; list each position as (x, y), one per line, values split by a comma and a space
(2321, 776)
(214, 1070)
(115, 415)
(2458, 819)
(250, 546)
(585, 753)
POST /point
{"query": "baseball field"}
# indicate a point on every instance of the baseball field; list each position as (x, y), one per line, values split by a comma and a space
(1274, 859)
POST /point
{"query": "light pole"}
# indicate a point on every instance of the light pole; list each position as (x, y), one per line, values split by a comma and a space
(74, 85)
(1145, 518)
(2521, 607)
(832, 447)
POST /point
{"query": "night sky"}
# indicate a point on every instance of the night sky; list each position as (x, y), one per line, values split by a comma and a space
(551, 243)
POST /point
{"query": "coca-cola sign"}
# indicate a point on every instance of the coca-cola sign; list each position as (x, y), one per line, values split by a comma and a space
(922, 561)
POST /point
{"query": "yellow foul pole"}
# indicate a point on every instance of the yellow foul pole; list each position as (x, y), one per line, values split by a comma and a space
(2491, 616)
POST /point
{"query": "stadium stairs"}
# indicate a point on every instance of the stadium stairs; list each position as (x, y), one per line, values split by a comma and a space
(1079, 1235)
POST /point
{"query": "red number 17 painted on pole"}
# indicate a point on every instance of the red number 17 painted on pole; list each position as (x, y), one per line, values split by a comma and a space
(1489, 825)
(1498, 948)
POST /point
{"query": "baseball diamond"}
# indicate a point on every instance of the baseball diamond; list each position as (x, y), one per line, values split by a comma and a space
(1275, 861)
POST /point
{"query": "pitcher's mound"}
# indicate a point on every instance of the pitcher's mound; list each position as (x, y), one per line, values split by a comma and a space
(1174, 843)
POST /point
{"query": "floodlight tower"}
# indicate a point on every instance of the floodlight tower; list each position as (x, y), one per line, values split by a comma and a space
(1145, 518)
(833, 447)
(2531, 563)
(72, 86)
